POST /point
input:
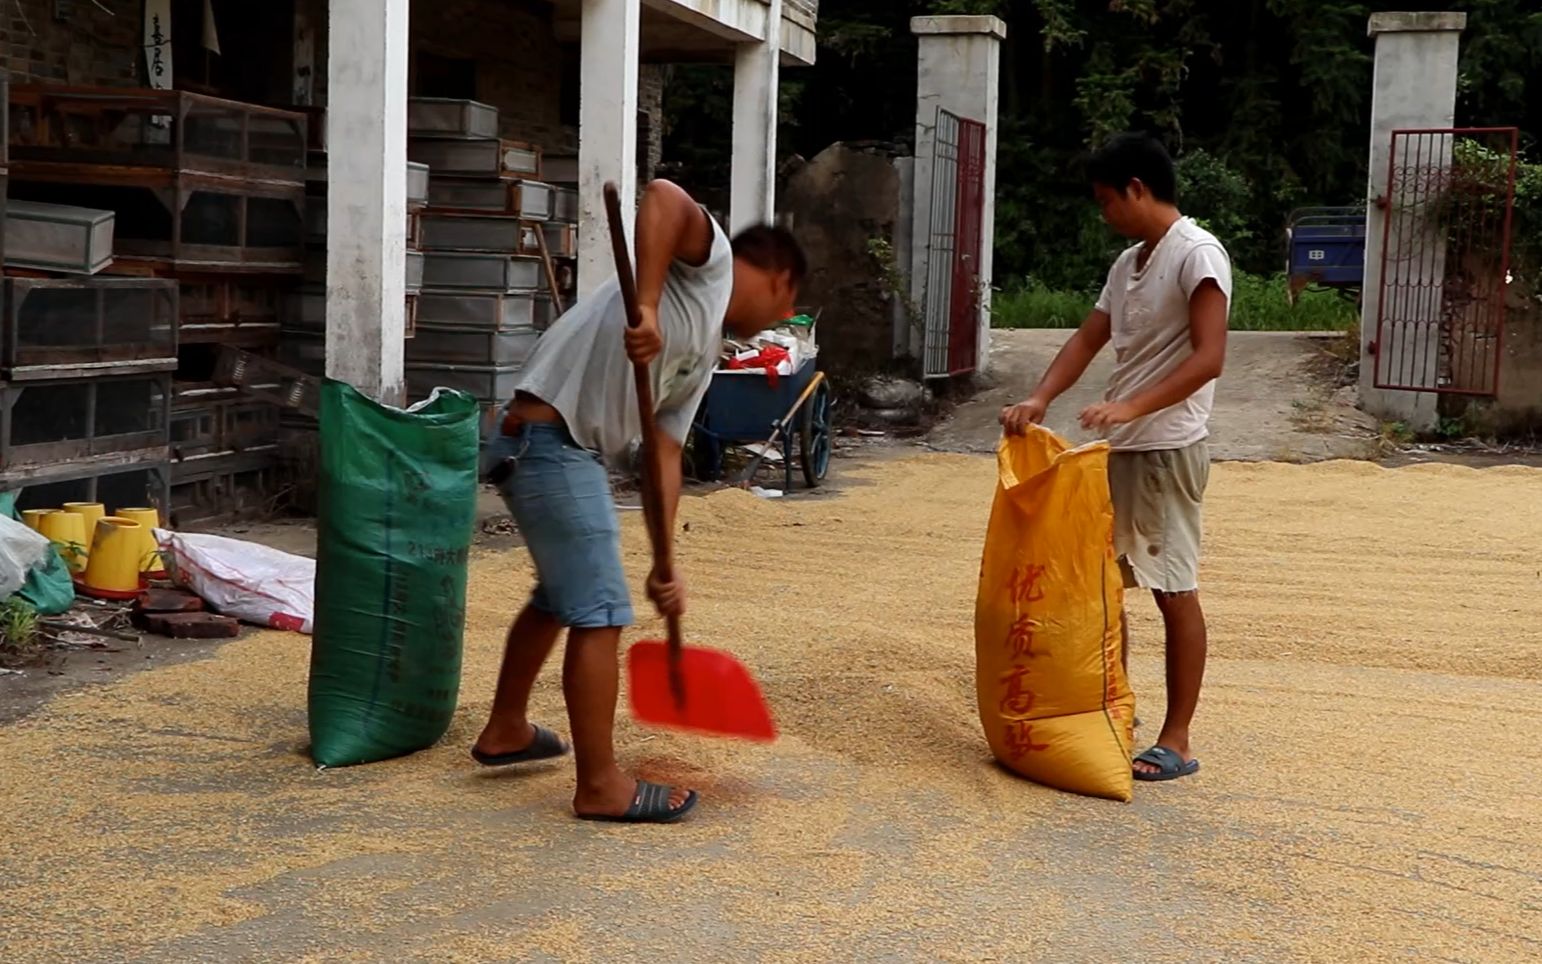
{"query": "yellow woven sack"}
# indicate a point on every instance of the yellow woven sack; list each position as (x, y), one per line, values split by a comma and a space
(1054, 699)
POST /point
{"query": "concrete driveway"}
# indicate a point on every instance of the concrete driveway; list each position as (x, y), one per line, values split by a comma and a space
(1274, 402)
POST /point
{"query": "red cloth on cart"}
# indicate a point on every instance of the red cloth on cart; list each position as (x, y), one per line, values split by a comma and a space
(767, 358)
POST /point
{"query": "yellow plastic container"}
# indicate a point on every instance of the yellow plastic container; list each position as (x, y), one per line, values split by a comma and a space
(149, 520)
(34, 518)
(67, 530)
(112, 572)
(92, 512)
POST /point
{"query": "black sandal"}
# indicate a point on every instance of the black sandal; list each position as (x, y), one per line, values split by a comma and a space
(651, 805)
(546, 746)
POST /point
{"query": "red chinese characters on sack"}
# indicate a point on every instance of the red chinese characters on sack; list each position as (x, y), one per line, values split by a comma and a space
(1018, 699)
(1024, 587)
(1024, 584)
(1019, 739)
(1020, 638)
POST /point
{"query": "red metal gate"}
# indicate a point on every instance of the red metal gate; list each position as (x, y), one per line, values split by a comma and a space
(1445, 260)
(955, 246)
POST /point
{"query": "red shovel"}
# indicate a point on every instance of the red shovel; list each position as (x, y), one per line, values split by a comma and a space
(672, 685)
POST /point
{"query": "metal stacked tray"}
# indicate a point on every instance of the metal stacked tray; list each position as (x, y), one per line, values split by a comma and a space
(481, 270)
(481, 159)
(305, 317)
(485, 270)
(531, 200)
(443, 118)
(480, 232)
(561, 171)
(58, 238)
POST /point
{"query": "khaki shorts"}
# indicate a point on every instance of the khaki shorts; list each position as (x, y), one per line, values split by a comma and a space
(1157, 500)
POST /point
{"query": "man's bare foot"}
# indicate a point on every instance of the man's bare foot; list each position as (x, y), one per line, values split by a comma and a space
(534, 744)
(1166, 760)
(616, 795)
(498, 741)
(1141, 766)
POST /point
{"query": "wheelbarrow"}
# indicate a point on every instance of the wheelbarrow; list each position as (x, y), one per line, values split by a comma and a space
(747, 408)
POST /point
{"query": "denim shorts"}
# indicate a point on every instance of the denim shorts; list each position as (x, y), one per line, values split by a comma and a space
(559, 495)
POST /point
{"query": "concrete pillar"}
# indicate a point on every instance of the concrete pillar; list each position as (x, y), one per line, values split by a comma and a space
(607, 129)
(367, 195)
(757, 73)
(959, 71)
(1414, 87)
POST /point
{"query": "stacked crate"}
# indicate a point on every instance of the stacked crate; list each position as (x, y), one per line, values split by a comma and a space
(84, 401)
(303, 343)
(486, 276)
(5, 140)
(208, 196)
(561, 171)
(85, 360)
(304, 332)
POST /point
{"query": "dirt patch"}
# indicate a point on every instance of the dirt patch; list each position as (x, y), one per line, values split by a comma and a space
(1362, 627)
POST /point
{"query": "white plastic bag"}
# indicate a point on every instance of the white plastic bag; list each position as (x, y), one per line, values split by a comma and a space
(21, 551)
(255, 584)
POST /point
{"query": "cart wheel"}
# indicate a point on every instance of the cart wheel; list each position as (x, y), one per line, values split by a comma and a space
(814, 439)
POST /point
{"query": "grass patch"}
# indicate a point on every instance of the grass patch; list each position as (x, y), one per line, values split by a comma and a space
(1258, 304)
(19, 636)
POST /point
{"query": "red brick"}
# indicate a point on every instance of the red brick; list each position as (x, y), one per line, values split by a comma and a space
(192, 625)
(169, 601)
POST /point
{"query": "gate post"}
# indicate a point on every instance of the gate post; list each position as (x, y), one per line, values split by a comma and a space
(1414, 87)
(959, 71)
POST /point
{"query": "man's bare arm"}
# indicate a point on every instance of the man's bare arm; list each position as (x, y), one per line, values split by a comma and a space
(1072, 360)
(1069, 365)
(670, 227)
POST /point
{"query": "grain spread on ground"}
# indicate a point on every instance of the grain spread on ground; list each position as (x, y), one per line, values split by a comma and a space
(1368, 790)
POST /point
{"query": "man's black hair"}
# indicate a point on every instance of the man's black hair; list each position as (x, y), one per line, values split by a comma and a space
(1131, 156)
(772, 249)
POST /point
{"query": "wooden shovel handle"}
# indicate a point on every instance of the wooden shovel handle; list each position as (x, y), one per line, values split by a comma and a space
(652, 493)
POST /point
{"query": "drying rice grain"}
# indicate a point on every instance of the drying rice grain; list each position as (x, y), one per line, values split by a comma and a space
(1367, 794)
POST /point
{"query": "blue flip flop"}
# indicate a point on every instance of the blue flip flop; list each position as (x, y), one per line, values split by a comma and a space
(546, 746)
(1169, 764)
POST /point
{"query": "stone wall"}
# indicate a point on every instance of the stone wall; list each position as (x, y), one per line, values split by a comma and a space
(845, 207)
(93, 48)
(1516, 412)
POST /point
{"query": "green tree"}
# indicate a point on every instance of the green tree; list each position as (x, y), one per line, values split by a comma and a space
(1265, 102)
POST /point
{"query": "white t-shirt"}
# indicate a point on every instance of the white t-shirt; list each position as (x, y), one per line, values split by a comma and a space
(1149, 312)
(580, 366)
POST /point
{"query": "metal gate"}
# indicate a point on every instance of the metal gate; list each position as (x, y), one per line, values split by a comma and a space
(1445, 260)
(955, 243)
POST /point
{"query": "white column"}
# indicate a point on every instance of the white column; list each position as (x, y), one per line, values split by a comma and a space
(367, 195)
(757, 74)
(607, 129)
(959, 70)
(1413, 87)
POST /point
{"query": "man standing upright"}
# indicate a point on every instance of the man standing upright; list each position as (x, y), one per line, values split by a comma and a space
(1165, 308)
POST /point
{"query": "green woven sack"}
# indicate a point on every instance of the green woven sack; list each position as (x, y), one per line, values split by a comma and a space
(396, 505)
(49, 588)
